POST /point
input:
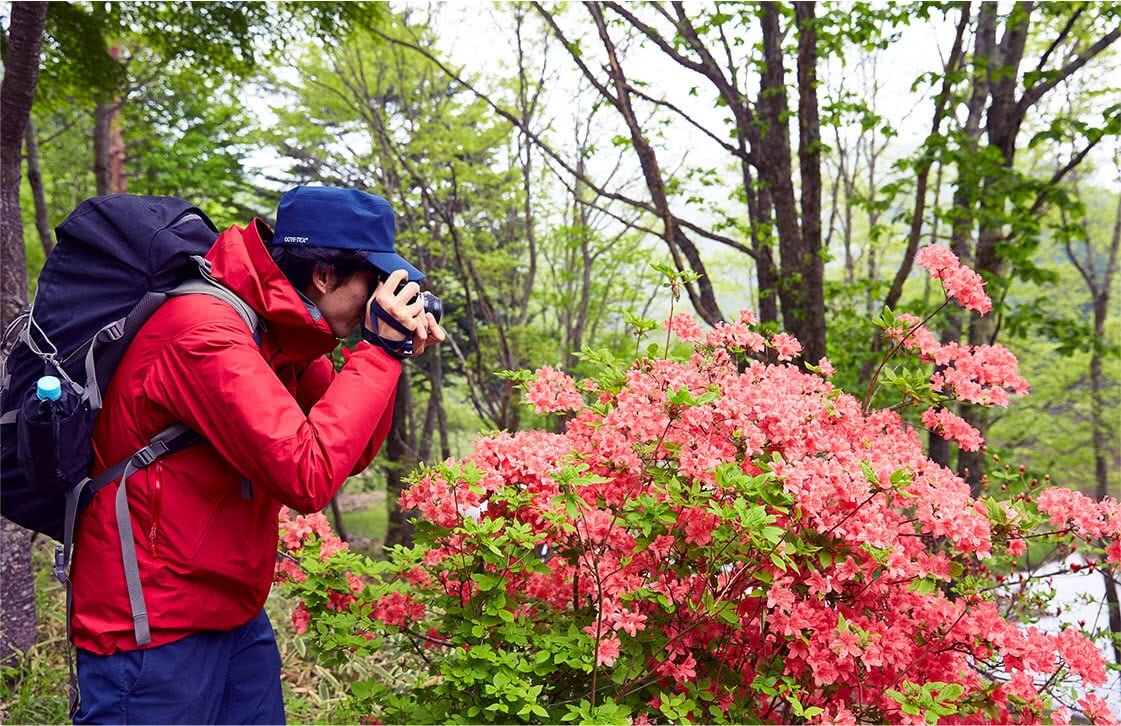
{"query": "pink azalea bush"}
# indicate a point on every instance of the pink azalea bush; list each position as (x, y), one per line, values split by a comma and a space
(715, 537)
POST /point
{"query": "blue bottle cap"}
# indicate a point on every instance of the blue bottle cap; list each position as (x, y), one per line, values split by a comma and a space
(48, 388)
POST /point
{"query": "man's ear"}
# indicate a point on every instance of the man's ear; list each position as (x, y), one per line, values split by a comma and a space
(323, 280)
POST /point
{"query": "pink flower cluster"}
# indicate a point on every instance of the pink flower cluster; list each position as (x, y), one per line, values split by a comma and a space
(397, 608)
(685, 327)
(983, 374)
(717, 521)
(857, 481)
(953, 427)
(1089, 519)
(552, 391)
(296, 529)
(959, 282)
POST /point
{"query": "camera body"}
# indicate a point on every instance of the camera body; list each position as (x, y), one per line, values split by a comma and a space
(432, 304)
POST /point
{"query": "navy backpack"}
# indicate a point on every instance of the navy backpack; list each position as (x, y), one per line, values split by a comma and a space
(118, 258)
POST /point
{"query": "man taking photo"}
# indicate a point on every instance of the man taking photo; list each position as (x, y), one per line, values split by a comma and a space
(280, 428)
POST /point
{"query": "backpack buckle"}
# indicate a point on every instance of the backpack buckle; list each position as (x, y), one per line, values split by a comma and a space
(59, 569)
(150, 453)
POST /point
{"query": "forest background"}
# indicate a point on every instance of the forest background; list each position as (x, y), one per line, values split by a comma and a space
(540, 157)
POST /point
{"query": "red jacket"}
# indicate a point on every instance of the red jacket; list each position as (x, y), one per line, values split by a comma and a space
(278, 415)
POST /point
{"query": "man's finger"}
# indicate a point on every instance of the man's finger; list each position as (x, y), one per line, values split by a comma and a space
(396, 278)
(408, 292)
(437, 332)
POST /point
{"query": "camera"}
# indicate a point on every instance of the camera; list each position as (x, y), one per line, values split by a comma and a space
(432, 304)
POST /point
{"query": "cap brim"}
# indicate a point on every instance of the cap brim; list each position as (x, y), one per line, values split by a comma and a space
(388, 262)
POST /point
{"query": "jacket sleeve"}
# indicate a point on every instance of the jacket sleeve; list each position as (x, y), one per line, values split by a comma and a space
(314, 382)
(211, 376)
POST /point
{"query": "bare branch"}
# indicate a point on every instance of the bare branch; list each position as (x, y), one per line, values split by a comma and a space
(575, 55)
(1041, 196)
(1033, 94)
(651, 33)
(925, 162)
(1060, 38)
(688, 118)
(1087, 274)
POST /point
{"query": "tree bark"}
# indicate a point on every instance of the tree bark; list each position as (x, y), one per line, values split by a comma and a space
(17, 93)
(809, 167)
(35, 179)
(118, 176)
(803, 308)
(18, 630)
(101, 125)
(400, 451)
(1004, 118)
(758, 217)
(337, 512)
(1098, 388)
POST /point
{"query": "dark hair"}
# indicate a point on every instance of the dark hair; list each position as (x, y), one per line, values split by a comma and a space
(299, 264)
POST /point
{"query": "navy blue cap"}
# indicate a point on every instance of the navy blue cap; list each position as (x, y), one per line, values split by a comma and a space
(342, 219)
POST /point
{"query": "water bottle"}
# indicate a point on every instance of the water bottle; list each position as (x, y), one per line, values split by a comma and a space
(48, 390)
(53, 430)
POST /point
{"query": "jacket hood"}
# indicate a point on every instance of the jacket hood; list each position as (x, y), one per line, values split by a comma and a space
(241, 262)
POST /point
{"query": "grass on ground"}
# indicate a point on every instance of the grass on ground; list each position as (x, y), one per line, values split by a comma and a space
(33, 689)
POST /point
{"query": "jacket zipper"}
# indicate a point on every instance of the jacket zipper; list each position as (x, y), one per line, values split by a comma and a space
(157, 500)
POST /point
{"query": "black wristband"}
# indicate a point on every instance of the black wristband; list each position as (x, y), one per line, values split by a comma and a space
(399, 349)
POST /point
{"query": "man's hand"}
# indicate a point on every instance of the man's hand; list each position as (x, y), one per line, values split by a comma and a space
(424, 328)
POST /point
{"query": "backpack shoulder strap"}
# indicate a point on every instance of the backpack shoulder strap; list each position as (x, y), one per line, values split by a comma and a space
(207, 285)
(172, 439)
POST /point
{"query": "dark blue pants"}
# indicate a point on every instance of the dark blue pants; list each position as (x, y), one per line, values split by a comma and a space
(211, 677)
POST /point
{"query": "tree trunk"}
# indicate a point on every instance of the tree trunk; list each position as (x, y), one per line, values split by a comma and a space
(336, 511)
(17, 93)
(1004, 118)
(758, 217)
(400, 451)
(437, 363)
(1099, 387)
(809, 166)
(799, 257)
(18, 630)
(35, 179)
(101, 125)
(108, 145)
(118, 176)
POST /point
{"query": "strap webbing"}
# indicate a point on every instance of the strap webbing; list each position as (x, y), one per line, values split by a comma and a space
(112, 331)
(172, 439)
(132, 569)
(215, 289)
